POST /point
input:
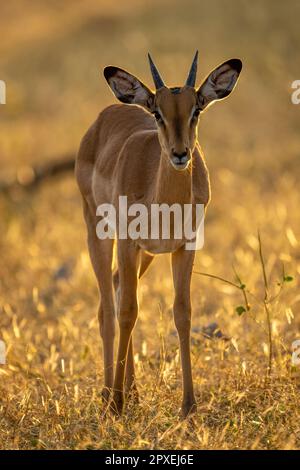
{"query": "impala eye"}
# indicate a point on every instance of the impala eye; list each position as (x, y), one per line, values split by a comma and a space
(196, 113)
(157, 116)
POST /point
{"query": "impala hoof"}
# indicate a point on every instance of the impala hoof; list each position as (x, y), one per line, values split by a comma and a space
(188, 409)
(106, 392)
(116, 404)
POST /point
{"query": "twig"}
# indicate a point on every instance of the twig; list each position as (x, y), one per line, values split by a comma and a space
(237, 286)
(217, 277)
(263, 265)
(266, 307)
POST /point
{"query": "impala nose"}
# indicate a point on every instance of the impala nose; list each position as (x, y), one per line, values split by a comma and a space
(180, 160)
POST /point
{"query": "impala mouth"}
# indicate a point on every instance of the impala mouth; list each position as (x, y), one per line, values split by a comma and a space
(180, 163)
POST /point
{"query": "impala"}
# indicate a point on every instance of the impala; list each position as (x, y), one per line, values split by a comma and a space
(146, 149)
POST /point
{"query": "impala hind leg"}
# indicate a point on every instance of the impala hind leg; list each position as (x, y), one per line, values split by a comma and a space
(128, 310)
(182, 266)
(101, 252)
(130, 382)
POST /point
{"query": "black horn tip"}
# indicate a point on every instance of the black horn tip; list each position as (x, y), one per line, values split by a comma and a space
(158, 81)
(152, 66)
(191, 80)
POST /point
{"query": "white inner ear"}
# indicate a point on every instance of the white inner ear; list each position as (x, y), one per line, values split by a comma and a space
(208, 90)
(224, 78)
(220, 82)
(124, 84)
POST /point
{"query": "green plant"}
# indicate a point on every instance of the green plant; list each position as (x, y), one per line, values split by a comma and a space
(267, 300)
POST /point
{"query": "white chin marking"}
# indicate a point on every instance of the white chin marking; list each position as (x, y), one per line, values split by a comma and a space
(179, 167)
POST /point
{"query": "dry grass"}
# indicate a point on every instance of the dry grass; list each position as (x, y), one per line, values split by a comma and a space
(50, 387)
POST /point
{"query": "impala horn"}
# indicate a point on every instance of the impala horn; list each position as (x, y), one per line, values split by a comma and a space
(158, 81)
(191, 80)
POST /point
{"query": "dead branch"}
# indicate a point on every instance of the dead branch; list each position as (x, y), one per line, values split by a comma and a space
(30, 178)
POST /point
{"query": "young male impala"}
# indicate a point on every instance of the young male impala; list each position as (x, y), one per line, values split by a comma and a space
(147, 150)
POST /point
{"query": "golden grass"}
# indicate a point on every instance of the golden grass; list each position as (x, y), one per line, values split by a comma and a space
(50, 388)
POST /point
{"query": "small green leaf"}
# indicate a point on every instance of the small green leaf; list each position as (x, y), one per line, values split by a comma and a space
(240, 310)
(242, 286)
(288, 278)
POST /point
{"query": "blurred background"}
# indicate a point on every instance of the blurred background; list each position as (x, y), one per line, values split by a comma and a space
(51, 57)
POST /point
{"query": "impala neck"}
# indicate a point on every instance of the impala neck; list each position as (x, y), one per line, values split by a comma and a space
(172, 186)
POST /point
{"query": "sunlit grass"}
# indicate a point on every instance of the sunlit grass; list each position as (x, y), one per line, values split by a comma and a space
(50, 388)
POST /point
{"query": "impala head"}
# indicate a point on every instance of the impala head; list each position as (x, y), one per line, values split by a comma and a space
(176, 109)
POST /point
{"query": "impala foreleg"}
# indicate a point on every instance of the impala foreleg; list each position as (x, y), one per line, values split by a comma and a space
(127, 315)
(182, 266)
(130, 383)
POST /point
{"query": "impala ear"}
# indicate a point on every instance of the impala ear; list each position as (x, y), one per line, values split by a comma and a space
(127, 88)
(219, 83)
